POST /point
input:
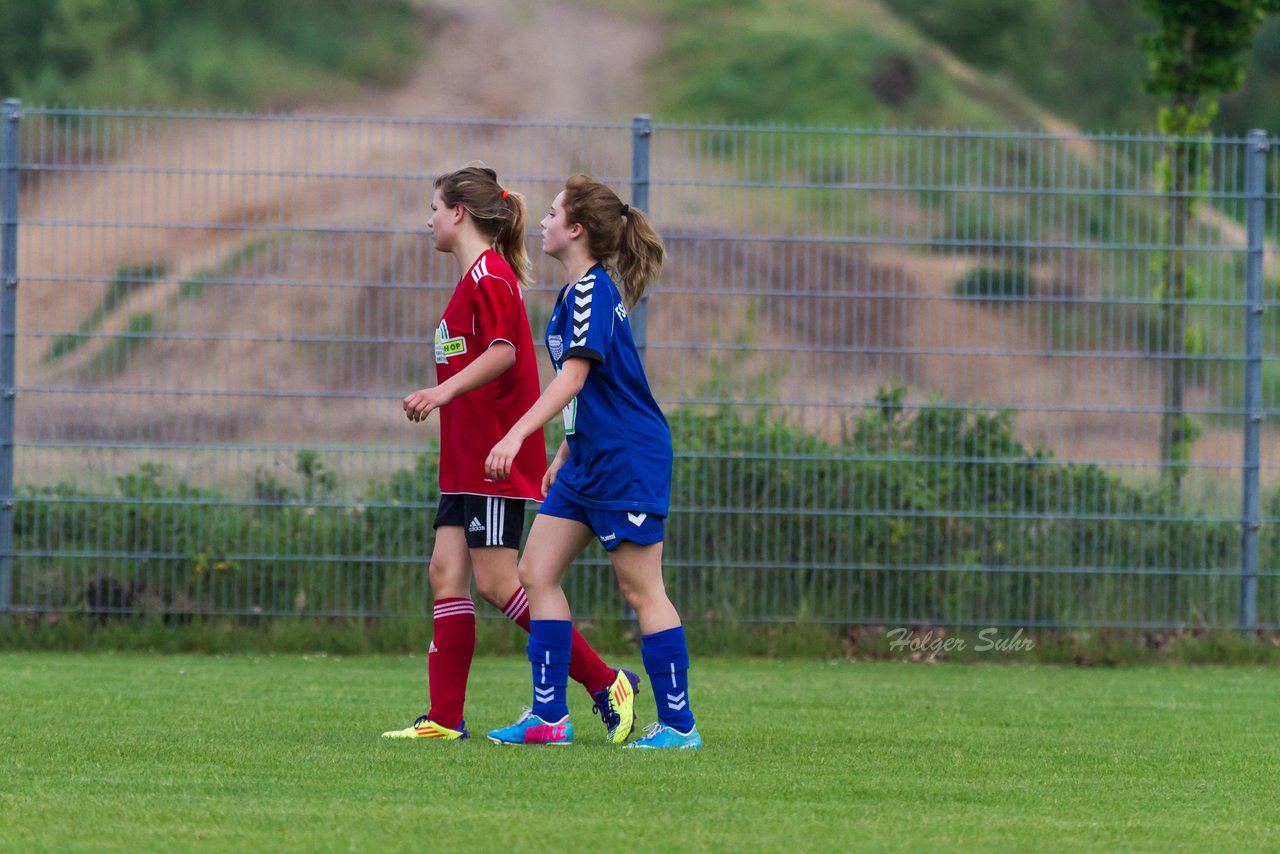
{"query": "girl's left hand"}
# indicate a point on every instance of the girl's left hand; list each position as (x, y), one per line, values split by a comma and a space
(503, 454)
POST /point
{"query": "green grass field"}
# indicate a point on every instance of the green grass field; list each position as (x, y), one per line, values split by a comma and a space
(281, 753)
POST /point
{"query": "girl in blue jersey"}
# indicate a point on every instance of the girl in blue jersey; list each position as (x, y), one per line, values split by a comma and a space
(611, 477)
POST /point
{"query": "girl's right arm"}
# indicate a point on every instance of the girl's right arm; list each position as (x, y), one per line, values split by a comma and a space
(564, 388)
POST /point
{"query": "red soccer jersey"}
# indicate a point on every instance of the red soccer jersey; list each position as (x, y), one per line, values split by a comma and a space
(486, 307)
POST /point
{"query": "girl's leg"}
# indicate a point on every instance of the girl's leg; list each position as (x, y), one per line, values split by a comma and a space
(453, 635)
(553, 544)
(662, 643)
(639, 571)
(498, 584)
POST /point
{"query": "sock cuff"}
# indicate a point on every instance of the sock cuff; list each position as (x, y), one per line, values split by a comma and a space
(661, 650)
(453, 608)
(550, 641)
(517, 606)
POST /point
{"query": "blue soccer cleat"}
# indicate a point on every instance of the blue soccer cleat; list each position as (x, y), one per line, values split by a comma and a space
(616, 706)
(531, 729)
(665, 737)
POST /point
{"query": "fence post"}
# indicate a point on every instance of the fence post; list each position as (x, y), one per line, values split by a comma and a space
(1250, 516)
(641, 132)
(10, 113)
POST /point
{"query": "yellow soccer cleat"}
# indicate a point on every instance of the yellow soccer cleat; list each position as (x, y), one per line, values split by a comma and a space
(424, 727)
(616, 706)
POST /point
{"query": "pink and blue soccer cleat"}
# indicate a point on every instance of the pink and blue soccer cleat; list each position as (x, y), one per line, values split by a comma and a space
(531, 729)
(659, 736)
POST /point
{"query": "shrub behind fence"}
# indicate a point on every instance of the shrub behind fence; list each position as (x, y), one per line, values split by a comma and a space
(912, 377)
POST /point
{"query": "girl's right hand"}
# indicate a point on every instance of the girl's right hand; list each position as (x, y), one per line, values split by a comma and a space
(550, 477)
(424, 401)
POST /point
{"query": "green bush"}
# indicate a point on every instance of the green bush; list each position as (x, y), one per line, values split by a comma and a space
(934, 516)
(928, 515)
(997, 282)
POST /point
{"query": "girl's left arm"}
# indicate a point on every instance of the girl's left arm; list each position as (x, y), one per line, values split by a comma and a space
(562, 389)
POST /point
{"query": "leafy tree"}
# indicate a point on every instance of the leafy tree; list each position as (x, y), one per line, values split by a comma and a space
(1196, 54)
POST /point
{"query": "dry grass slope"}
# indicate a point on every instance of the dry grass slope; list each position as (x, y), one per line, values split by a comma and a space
(225, 199)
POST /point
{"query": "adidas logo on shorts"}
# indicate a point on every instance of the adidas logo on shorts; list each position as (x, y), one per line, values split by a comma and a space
(475, 525)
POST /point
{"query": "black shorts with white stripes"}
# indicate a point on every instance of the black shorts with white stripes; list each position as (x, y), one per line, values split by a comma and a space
(487, 520)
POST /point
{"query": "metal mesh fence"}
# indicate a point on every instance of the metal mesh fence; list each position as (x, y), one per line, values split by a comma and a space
(912, 377)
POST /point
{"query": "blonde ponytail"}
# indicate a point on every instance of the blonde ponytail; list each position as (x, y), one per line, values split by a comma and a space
(619, 236)
(498, 213)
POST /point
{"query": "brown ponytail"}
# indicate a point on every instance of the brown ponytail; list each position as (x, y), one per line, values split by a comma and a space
(499, 214)
(619, 236)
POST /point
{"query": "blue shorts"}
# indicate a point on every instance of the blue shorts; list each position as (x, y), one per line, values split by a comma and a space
(611, 527)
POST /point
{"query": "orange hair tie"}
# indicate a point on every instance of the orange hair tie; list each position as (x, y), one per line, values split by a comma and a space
(504, 195)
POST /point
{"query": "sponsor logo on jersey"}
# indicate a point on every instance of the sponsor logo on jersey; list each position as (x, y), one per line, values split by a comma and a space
(447, 347)
(570, 413)
(621, 311)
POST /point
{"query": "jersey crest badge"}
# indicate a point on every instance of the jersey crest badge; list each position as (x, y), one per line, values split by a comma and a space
(447, 347)
(555, 344)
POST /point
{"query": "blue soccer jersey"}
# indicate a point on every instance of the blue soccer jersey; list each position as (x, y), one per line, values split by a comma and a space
(619, 442)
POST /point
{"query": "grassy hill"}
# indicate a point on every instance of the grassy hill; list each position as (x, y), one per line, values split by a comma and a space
(248, 54)
(161, 291)
(846, 62)
(891, 63)
(866, 63)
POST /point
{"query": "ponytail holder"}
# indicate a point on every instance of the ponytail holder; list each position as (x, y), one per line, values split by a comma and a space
(625, 209)
(504, 194)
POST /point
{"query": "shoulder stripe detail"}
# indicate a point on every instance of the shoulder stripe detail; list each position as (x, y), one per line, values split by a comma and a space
(582, 310)
(480, 270)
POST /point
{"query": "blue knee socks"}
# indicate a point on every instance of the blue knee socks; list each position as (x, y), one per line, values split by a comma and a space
(550, 642)
(666, 660)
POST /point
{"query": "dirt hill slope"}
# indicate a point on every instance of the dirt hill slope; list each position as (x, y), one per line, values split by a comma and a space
(351, 273)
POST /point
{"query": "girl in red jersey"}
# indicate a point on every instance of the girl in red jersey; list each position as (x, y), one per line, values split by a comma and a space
(486, 377)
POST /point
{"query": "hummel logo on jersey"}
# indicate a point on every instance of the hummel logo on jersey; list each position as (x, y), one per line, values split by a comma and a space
(581, 310)
(607, 537)
(475, 525)
(637, 519)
